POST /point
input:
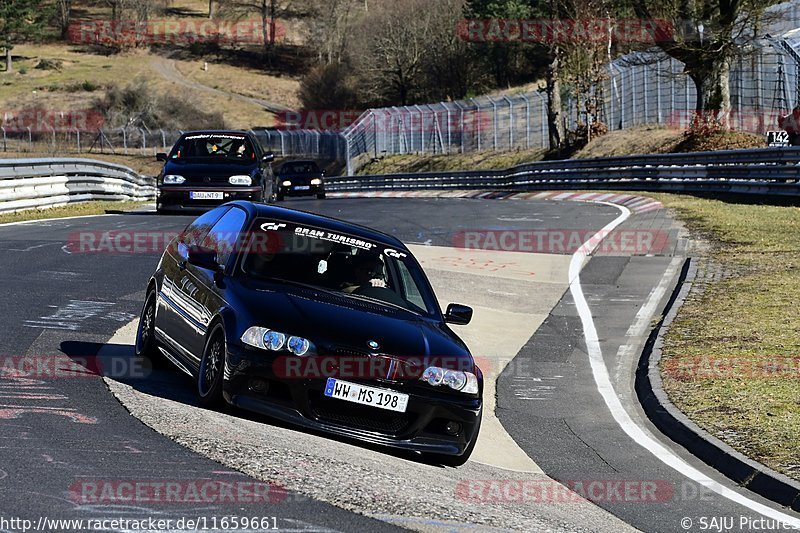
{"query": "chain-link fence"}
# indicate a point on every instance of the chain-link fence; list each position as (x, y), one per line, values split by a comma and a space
(640, 88)
(300, 143)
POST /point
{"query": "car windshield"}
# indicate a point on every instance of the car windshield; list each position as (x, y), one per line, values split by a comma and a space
(301, 167)
(213, 145)
(337, 262)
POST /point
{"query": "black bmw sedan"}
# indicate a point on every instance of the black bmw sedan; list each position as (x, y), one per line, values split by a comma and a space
(208, 168)
(318, 322)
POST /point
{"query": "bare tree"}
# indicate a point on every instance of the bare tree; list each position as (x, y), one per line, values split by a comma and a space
(331, 24)
(706, 36)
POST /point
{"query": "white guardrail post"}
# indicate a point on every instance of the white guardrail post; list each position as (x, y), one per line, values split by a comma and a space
(50, 182)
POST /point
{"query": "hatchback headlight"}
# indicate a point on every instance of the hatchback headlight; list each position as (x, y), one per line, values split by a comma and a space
(286, 183)
(173, 179)
(465, 382)
(316, 181)
(240, 180)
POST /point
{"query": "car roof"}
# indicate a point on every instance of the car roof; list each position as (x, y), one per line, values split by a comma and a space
(312, 219)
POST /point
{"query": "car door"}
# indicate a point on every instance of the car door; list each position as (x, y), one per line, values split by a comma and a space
(205, 285)
(177, 316)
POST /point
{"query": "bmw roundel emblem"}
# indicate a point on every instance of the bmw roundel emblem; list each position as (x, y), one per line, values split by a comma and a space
(373, 344)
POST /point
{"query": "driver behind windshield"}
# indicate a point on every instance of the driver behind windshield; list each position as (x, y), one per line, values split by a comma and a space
(367, 272)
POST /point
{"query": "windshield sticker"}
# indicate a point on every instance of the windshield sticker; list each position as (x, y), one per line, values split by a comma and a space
(391, 252)
(272, 226)
(215, 136)
(333, 237)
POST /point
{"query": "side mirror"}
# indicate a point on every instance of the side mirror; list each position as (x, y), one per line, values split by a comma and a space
(161, 156)
(204, 258)
(268, 157)
(458, 314)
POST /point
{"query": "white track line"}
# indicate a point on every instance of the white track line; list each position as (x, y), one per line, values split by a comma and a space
(606, 389)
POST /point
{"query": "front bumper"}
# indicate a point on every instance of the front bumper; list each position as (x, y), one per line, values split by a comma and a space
(301, 401)
(178, 198)
(293, 190)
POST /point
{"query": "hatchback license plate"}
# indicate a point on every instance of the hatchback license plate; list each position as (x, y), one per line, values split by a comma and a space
(373, 396)
(205, 195)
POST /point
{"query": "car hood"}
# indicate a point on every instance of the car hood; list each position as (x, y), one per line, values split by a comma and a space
(334, 321)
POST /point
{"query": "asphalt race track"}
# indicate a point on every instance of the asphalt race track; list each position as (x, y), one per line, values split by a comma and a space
(63, 437)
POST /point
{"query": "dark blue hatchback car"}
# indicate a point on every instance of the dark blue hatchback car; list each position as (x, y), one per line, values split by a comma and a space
(208, 168)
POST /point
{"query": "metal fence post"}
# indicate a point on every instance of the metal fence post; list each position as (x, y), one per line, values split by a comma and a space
(477, 125)
(5, 147)
(545, 138)
(78, 136)
(494, 122)
(30, 139)
(510, 122)
(527, 121)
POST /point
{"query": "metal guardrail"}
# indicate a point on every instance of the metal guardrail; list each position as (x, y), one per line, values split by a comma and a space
(48, 182)
(757, 171)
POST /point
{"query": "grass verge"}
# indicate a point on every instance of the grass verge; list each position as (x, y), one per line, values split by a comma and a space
(96, 207)
(731, 359)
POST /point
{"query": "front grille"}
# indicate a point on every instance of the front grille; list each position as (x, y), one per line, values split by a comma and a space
(383, 367)
(359, 416)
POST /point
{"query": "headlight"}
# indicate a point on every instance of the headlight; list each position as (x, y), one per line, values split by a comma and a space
(316, 181)
(255, 337)
(268, 339)
(455, 379)
(240, 180)
(274, 340)
(286, 183)
(433, 375)
(298, 345)
(465, 382)
(173, 179)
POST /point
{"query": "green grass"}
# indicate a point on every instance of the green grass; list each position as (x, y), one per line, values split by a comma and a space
(97, 207)
(469, 161)
(736, 344)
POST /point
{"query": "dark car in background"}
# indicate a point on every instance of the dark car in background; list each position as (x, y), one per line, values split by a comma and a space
(317, 322)
(300, 178)
(208, 168)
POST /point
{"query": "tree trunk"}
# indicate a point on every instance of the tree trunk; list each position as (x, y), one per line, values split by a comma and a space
(554, 121)
(9, 66)
(713, 90)
(210, 9)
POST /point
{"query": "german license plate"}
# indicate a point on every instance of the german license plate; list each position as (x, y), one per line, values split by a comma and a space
(373, 396)
(301, 187)
(205, 195)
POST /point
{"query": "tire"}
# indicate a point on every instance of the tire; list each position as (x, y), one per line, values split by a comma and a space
(212, 368)
(146, 345)
(321, 196)
(456, 460)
